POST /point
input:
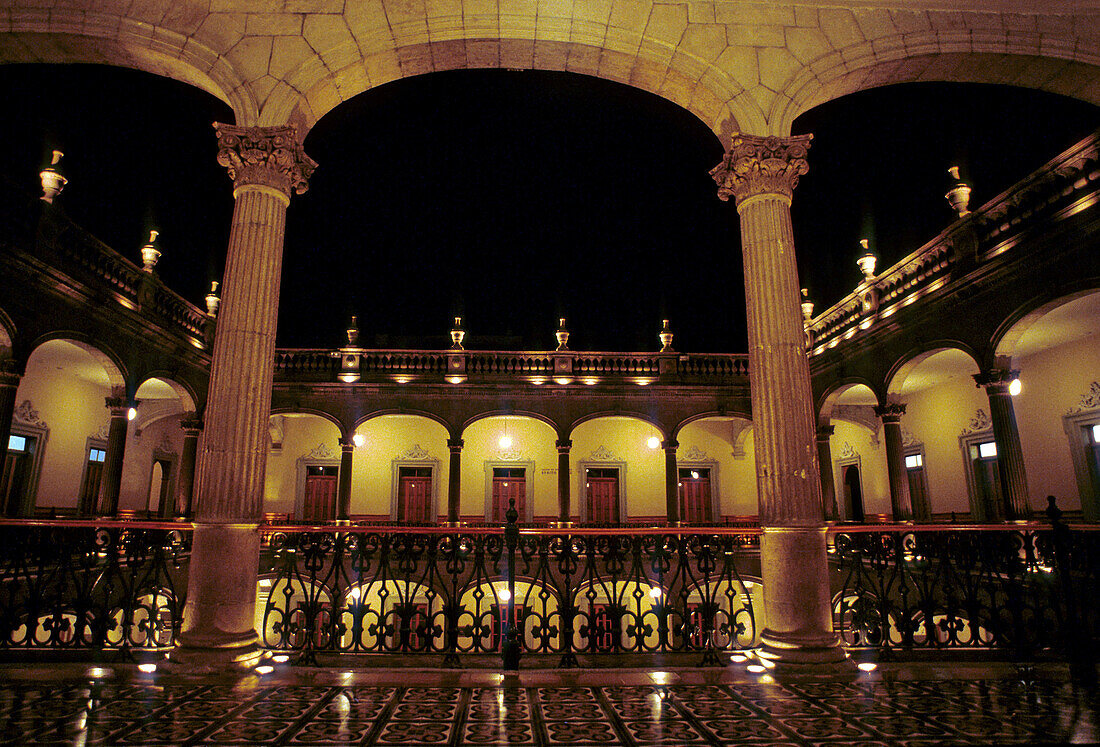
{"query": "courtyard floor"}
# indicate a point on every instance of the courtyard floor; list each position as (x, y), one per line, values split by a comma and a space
(897, 704)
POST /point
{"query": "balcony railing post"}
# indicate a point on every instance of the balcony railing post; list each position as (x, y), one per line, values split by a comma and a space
(510, 650)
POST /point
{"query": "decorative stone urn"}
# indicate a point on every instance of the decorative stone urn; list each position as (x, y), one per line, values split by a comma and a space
(53, 181)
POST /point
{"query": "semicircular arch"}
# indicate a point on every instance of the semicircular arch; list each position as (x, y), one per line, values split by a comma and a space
(375, 414)
(1048, 62)
(675, 431)
(183, 389)
(827, 402)
(1007, 338)
(112, 363)
(899, 372)
(39, 35)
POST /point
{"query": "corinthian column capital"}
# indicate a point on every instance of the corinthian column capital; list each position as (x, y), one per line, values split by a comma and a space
(757, 165)
(264, 156)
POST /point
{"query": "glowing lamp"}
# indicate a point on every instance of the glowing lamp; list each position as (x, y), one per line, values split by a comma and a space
(131, 413)
(505, 442)
(655, 592)
(504, 595)
(866, 666)
(358, 439)
(265, 669)
(653, 442)
(1015, 387)
(147, 668)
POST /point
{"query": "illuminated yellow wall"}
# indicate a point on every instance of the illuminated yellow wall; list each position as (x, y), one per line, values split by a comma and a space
(302, 434)
(716, 439)
(872, 466)
(1054, 381)
(936, 416)
(532, 441)
(390, 437)
(74, 409)
(626, 440)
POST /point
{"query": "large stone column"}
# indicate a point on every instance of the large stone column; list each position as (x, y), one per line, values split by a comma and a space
(454, 480)
(111, 482)
(564, 500)
(1010, 455)
(267, 165)
(672, 483)
(185, 491)
(900, 503)
(828, 483)
(343, 490)
(760, 173)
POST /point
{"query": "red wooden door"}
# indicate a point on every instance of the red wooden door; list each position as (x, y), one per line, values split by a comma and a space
(500, 613)
(506, 487)
(320, 501)
(601, 628)
(414, 500)
(695, 496)
(603, 499)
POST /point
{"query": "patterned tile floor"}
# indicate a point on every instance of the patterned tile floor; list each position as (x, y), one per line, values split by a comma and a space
(902, 705)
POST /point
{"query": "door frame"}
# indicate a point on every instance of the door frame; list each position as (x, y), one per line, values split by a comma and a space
(529, 483)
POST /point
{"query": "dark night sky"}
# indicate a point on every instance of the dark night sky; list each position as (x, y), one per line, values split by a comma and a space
(512, 198)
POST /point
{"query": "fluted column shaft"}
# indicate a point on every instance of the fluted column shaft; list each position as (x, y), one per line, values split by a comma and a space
(761, 174)
(672, 483)
(185, 491)
(454, 480)
(9, 387)
(111, 482)
(564, 500)
(1010, 454)
(343, 490)
(267, 165)
(900, 502)
(828, 483)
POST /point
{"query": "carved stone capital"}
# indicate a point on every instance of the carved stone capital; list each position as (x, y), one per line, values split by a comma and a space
(265, 156)
(564, 445)
(347, 445)
(670, 445)
(455, 444)
(996, 380)
(824, 432)
(118, 405)
(891, 412)
(757, 165)
(191, 427)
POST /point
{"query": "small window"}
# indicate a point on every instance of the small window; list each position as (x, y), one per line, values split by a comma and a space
(1096, 434)
(988, 450)
(17, 443)
(97, 455)
(914, 461)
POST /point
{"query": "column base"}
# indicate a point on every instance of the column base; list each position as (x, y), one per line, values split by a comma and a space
(788, 648)
(198, 654)
(218, 631)
(562, 525)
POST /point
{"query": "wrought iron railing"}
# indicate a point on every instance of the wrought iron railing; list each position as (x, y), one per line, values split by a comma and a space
(72, 584)
(457, 592)
(1024, 590)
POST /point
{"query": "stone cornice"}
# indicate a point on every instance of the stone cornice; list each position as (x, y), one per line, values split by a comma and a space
(265, 156)
(757, 165)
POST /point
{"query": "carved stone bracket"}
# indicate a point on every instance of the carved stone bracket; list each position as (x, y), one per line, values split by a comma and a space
(266, 156)
(695, 454)
(27, 415)
(757, 165)
(416, 451)
(979, 423)
(321, 451)
(847, 451)
(1090, 400)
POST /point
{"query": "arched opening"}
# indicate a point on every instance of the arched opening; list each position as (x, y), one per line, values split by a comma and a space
(303, 468)
(399, 470)
(58, 443)
(945, 412)
(857, 454)
(619, 471)
(716, 467)
(509, 458)
(154, 446)
(1056, 349)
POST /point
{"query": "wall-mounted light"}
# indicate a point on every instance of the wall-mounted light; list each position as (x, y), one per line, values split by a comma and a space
(131, 413)
(505, 442)
(358, 439)
(1015, 387)
(653, 442)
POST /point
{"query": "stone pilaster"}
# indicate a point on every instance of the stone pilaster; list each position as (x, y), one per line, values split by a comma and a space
(1010, 455)
(564, 499)
(672, 483)
(111, 482)
(454, 480)
(828, 483)
(900, 502)
(343, 490)
(267, 165)
(760, 173)
(185, 491)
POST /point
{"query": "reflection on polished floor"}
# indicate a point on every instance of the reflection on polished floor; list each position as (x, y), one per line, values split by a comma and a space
(895, 705)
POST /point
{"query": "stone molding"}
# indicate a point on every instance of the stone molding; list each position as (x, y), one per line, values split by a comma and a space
(995, 379)
(321, 451)
(603, 454)
(979, 423)
(695, 454)
(25, 414)
(416, 451)
(265, 156)
(757, 165)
